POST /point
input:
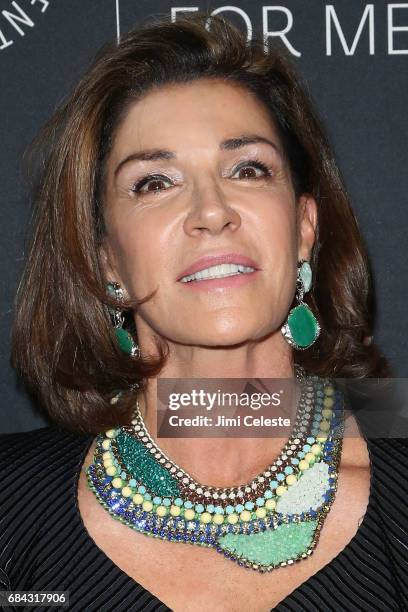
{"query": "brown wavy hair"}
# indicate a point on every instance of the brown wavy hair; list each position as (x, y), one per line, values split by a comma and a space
(63, 343)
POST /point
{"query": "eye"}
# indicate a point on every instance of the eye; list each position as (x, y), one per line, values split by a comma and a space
(152, 182)
(255, 164)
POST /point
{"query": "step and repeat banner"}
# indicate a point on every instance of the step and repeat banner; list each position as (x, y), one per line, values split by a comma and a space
(354, 56)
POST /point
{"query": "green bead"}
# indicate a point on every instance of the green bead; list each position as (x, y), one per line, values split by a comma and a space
(303, 326)
(125, 340)
(143, 467)
(271, 547)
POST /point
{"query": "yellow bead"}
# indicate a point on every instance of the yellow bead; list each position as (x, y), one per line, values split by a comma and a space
(147, 505)
(321, 437)
(291, 479)
(218, 519)
(329, 390)
(316, 449)
(111, 470)
(161, 510)
(327, 413)
(205, 517)
(106, 444)
(111, 433)
(245, 516)
(106, 455)
(260, 512)
(232, 518)
(303, 465)
(309, 457)
(281, 489)
(126, 491)
(270, 504)
(137, 499)
(324, 425)
(189, 514)
(107, 463)
(328, 402)
(175, 510)
(117, 483)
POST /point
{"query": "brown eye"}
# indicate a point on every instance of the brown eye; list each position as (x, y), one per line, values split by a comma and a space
(154, 185)
(248, 170)
(150, 184)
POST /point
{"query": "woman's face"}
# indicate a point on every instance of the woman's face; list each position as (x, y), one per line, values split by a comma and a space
(197, 170)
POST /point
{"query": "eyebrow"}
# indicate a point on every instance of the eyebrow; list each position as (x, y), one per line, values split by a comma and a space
(226, 145)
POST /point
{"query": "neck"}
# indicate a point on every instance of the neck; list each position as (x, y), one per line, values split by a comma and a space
(220, 461)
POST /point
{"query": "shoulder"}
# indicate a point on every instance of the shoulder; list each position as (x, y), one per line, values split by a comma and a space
(36, 465)
(38, 472)
(389, 457)
(390, 454)
(41, 447)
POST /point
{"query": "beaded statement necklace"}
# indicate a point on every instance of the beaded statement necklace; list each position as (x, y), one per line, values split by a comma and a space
(272, 521)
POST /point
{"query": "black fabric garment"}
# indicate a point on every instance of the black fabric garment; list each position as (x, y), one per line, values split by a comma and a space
(44, 544)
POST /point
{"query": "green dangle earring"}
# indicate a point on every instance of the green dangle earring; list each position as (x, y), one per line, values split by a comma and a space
(302, 328)
(123, 337)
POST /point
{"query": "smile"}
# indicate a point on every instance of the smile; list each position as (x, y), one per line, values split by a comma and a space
(219, 271)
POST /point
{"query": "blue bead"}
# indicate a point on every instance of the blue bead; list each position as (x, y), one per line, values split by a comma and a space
(310, 440)
(210, 508)
(157, 500)
(260, 501)
(188, 504)
(294, 461)
(166, 501)
(178, 502)
(199, 508)
(288, 469)
(229, 509)
(268, 494)
(280, 477)
(249, 505)
(274, 484)
(239, 508)
(306, 448)
(219, 510)
(141, 489)
(147, 496)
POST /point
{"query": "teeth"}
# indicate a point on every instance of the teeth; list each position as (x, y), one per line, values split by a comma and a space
(218, 272)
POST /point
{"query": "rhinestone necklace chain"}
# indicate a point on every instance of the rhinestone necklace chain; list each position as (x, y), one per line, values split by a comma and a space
(311, 397)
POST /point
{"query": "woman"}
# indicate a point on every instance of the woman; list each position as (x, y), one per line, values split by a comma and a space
(182, 149)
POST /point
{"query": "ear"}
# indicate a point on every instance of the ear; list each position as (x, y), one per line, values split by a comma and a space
(108, 262)
(307, 225)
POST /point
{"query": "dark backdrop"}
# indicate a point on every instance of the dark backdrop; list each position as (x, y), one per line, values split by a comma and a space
(354, 56)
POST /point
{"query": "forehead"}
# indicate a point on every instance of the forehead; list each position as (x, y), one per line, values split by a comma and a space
(207, 109)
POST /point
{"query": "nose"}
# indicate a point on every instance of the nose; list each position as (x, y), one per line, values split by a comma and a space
(210, 212)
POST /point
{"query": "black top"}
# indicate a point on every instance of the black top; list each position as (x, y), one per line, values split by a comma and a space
(44, 544)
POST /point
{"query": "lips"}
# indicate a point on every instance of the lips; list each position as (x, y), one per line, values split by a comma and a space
(215, 260)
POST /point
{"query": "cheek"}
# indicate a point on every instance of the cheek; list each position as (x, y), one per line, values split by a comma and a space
(139, 253)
